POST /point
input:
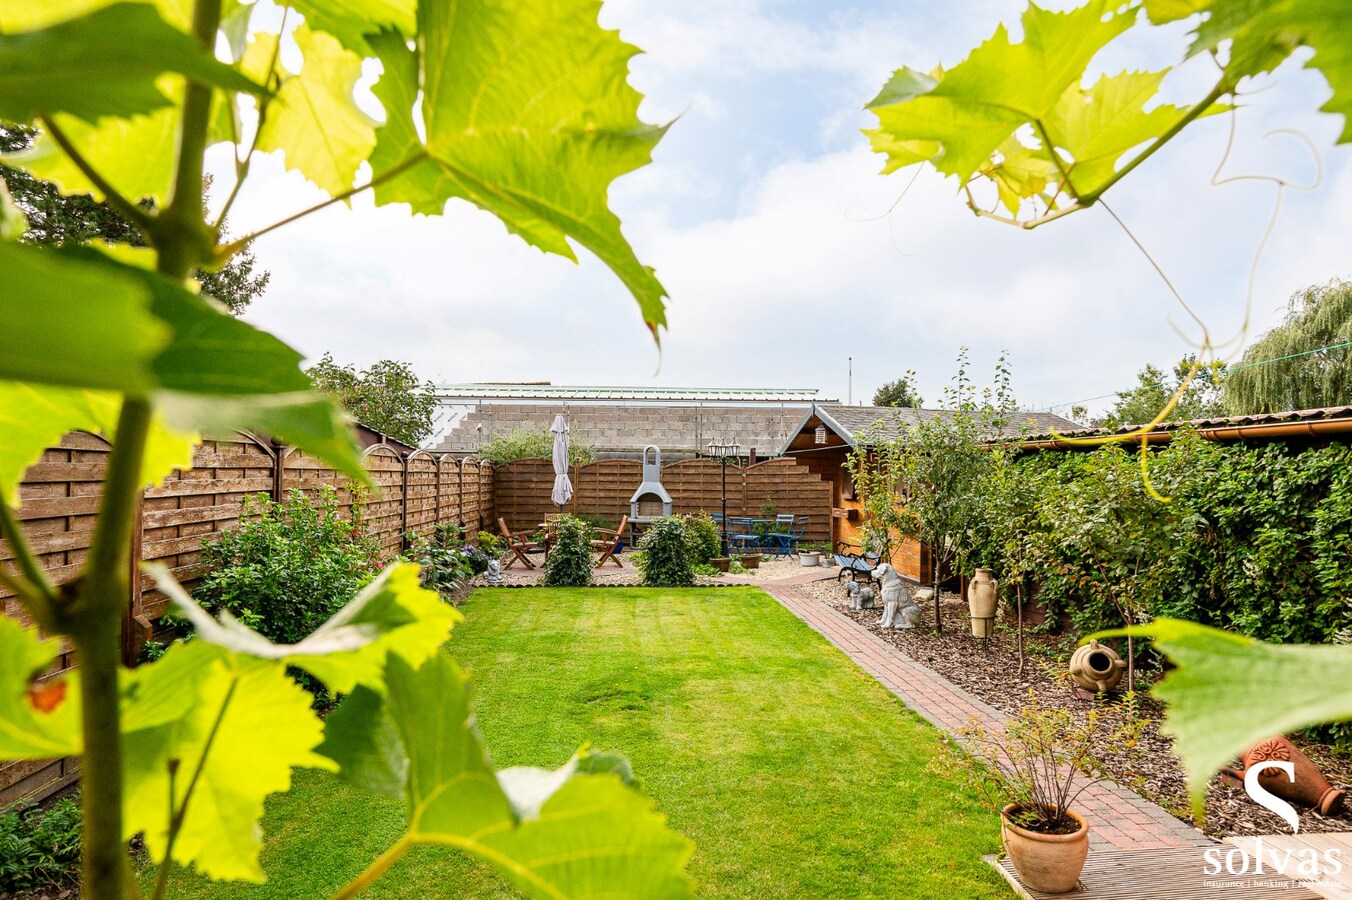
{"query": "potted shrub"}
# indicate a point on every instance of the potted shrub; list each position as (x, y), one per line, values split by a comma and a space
(1033, 771)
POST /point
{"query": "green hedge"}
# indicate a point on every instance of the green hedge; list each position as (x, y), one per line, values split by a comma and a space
(1255, 539)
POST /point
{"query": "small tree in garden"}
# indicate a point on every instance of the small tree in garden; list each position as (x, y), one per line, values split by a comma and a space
(702, 540)
(387, 396)
(570, 563)
(666, 561)
(926, 482)
(126, 98)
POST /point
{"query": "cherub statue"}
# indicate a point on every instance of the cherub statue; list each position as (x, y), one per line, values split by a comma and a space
(899, 608)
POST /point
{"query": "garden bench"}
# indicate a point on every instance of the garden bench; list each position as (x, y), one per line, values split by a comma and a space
(855, 564)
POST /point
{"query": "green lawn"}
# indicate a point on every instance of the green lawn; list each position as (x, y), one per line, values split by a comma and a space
(795, 773)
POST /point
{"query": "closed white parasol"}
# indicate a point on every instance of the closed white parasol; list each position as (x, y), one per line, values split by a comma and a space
(563, 488)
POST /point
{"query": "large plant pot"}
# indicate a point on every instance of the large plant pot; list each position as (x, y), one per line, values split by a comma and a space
(981, 603)
(1096, 668)
(751, 560)
(808, 559)
(721, 563)
(1050, 863)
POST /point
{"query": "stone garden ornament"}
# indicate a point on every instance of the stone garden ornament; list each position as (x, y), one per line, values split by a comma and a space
(899, 608)
(861, 596)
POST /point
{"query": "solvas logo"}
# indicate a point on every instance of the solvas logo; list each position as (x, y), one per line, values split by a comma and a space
(1307, 864)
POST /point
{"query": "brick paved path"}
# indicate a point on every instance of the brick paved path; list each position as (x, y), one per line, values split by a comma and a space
(1119, 819)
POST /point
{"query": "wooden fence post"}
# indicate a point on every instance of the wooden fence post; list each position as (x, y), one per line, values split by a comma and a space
(136, 628)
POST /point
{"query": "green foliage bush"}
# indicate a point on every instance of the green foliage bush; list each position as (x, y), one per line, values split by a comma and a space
(1256, 539)
(702, 540)
(533, 443)
(39, 846)
(445, 558)
(570, 563)
(286, 567)
(489, 543)
(665, 561)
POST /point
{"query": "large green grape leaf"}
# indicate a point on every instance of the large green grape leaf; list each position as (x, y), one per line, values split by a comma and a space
(528, 115)
(1000, 87)
(102, 64)
(351, 21)
(89, 321)
(392, 615)
(31, 15)
(1262, 35)
(561, 833)
(244, 724)
(33, 417)
(314, 119)
(36, 721)
(1095, 128)
(1229, 692)
(1018, 173)
(74, 321)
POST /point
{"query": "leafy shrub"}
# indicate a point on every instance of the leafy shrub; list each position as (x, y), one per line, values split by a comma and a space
(39, 846)
(570, 563)
(445, 558)
(665, 561)
(490, 544)
(287, 567)
(533, 443)
(702, 540)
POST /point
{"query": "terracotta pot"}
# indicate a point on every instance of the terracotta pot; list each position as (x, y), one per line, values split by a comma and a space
(1097, 668)
(1311, 788)
(1050, 863)
(981, 603)
(721, 563)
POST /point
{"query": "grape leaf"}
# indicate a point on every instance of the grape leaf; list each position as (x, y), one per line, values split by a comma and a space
(1229, 691)
(578, 831)
(103, 64)
(350, 21)
(94, 322)
(1162, 12)
(977, 104)
(314, 119)
(81, 324)
(245, 724)
(34, 417)
(392, 615)
(1095, 128)
(529, 116)
(31, 15)
(1018, 173)
(1262, 35)
(26, 732)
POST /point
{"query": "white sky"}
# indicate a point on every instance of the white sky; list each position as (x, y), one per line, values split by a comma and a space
(765, 218)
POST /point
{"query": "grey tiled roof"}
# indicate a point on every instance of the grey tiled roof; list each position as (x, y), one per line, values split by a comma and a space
(889, 422)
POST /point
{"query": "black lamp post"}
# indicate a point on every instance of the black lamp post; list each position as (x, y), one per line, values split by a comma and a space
(724, 452)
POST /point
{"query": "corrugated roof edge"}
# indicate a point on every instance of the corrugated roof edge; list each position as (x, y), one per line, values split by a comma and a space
(1219, 422)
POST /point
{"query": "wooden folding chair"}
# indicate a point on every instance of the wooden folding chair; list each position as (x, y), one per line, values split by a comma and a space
(610, 543)
(517, 542)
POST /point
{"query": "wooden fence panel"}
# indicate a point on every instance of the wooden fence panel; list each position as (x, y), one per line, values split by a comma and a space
(421, 492)
(385, 505)
(189, 507)
(470, 484)
(58, 503)
(791, 488)
(486, 498)
(448, 490)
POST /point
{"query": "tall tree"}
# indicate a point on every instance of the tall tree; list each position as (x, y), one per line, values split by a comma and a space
(54, 218)
(898, 392)
(1304, 363)
(388, 396)
(1154, 389)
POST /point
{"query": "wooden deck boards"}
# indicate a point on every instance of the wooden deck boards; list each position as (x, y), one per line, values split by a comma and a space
(1333, 885)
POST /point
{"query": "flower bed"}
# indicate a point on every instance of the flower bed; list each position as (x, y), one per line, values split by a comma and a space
(992, 674)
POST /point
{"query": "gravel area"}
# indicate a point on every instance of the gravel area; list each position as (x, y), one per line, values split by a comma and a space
(611, 576)
(992, 673)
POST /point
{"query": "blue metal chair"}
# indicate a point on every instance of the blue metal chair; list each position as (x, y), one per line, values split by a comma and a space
(745, 538)
(780, 540)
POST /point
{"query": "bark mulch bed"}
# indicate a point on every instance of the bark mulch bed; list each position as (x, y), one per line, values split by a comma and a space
(992, 674)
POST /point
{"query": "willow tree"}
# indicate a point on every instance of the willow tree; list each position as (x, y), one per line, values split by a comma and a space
(1303, 363)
